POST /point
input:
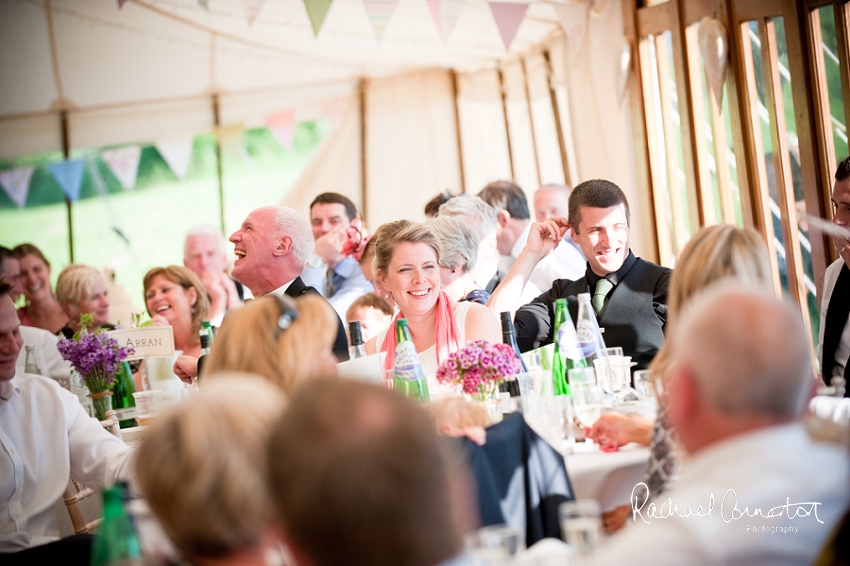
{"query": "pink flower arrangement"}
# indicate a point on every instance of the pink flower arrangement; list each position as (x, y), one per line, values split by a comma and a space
(479, 367)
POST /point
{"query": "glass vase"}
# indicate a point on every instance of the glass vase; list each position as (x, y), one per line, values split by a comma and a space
(101, 402)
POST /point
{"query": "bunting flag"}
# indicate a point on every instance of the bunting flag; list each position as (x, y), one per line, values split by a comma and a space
(124, 164)
(508, 17)
(16, 183)
(445, 14)
(380, 12)
(230, 138)
(69, 175)
(282, 126)
(121, 3)
(177, 154)
(334, 109)
(204, 4)
(252, 9)
(317, 10)
(573, 19)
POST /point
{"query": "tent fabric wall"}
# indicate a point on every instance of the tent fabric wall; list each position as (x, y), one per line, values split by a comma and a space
(519, 128)
(545, 128)
(30, 135)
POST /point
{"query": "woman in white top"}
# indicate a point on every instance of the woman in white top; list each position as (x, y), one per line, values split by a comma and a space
(406, 263)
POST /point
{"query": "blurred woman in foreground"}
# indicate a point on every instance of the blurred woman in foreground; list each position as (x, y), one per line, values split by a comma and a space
(284, 340)
(42, 309)
(82, 289)
(202, 470)
(175, 297)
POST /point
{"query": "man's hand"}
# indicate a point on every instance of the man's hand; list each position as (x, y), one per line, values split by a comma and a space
(186, 368)
(545, 236)
(329, 246)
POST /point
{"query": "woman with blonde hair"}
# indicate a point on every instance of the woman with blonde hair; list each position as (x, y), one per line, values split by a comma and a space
(82, 289)
(714, 254)
(174, 296)
(41, 310)
(407, 264)
(202, 470)
(284, 340)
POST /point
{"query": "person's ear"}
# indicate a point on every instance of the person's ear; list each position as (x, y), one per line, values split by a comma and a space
(192, 293)
(503, 218)
(284, 245)
(683, 395)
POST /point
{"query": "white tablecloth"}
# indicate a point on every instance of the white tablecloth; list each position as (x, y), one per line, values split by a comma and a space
(608, 477)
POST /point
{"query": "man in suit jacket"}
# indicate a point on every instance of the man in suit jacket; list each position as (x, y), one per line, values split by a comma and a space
(633, 291)
(834, 345)
(272, 247)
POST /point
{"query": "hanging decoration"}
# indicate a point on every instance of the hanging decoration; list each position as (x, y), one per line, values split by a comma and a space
(379, 12)
(230, 138)
(282, 126)
(334, 109)
(121, 3)
(508, 17)
(714, 47)
(573, 18)
(445, 14)
(177, 154)
(16, 183)
(624, 65)
(317, 10)
(252, 9)
(124, 164)
(204, 4)
(69, 175)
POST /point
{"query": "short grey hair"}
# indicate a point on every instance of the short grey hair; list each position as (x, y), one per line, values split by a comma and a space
(475, 207)
(460, 244)
(748, 351)
(291, 223)
(205, 230)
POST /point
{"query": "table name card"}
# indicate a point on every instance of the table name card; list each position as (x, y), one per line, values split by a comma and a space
(148, 341)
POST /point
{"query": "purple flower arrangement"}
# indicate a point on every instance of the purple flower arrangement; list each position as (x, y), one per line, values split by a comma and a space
(479, 367)
(96, 357)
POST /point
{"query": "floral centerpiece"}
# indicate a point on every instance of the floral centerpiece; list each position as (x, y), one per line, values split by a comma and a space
(478, 368)
(96, 357)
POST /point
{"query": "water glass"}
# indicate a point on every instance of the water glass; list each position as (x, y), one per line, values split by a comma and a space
(588, 401)
(148, 404)
(643, 383)
(495, 545)
(581, 524)
(556, 423)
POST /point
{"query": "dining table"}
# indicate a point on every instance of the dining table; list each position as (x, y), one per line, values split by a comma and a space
(608, 477)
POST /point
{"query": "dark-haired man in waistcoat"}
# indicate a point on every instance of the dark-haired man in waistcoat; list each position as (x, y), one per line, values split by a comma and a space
(629, 294)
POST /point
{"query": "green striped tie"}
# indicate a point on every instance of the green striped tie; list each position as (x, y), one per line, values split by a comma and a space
(600, 295)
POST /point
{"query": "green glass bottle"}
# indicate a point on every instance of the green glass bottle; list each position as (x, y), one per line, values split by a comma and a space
(567, 354)
(116, 539)
(408, 376)
(123, 401)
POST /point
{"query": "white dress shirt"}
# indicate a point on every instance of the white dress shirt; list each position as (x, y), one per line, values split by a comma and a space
(767, 469)
(45, 438)
(47, 356)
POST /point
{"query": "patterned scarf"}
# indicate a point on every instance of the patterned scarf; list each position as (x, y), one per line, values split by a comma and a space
(448, 339)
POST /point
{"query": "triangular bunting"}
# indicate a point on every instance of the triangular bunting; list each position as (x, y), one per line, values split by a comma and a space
(121, 3)
(508, 17)
(230, 138)
(204, 4)
(16, 183)
(379, 12)
(317, 10)
(573, 18)
(445, 14)
(69, 175)
(282, 126)
(334, 109)
(252, 9)
(124, 164)
(177, 153)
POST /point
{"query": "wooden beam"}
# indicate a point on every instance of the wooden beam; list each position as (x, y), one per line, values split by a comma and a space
(66, 152)
(531, 119)
(842, 28)
(815, 180)
(364, 172)
(820, 92)
(219, 166)
(654, 20)
(757, 9)
(457, 129)
(556, 113)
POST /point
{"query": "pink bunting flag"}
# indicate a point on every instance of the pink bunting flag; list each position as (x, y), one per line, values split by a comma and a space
(334, 109)
(16, 183)
(121, 3)
(445, 14)
(379, 12)
(252, 9)
(282, 126)
(69, 175)
(124, 164)
(177, 154)
(573, 18)
(508, 17)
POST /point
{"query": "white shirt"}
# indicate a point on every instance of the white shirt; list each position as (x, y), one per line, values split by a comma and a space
(47, 356)
(766, 469)
(843, 351)
(45, 438)
(281, 291)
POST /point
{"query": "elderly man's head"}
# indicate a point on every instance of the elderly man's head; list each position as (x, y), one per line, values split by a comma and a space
(271, 247)
(550, 201)
(203, 250)
(362, 478)
(743, 363)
